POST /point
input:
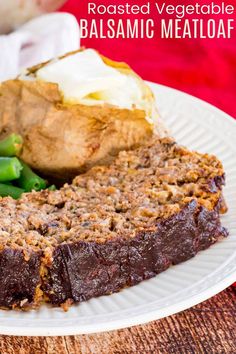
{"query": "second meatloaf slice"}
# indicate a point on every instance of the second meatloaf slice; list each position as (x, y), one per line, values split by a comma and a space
(113, 227)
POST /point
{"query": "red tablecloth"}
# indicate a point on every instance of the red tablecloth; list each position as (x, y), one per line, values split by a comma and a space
(202, 67)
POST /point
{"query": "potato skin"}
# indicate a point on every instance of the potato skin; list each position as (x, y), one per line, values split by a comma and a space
(62, 139)
(65, 139)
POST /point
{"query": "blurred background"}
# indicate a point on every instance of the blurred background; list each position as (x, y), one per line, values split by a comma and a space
(205, 68)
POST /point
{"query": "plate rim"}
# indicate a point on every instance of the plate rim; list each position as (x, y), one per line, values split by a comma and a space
(142, 318)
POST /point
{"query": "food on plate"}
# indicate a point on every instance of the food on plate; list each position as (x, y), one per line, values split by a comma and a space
(8, 190)
(114, 226)
(77, 111)
(139, 202)
(14, 173)
(52, 187)
(29, 181)
(10, 168)
(11, 145)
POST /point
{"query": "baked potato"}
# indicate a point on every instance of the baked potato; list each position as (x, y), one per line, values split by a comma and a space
(63, 136)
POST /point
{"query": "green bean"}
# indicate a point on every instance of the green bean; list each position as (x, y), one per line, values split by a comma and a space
(11, 145)
(10, 168)
(29, 180)
(12, 191)
(52, 188)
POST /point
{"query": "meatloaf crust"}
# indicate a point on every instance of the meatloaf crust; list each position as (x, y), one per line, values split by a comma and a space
(112, 228)
(83, 270)
(80, 270)
(19, 277)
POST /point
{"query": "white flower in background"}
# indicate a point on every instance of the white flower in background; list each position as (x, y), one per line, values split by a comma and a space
(14, 13)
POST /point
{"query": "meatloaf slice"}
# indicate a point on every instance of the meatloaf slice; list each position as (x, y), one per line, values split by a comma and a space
(112, 227)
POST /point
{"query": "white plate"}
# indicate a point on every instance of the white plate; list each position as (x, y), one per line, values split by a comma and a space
(199, 126)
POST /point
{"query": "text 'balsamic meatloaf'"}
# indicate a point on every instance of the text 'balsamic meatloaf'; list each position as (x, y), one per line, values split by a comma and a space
(113, 227)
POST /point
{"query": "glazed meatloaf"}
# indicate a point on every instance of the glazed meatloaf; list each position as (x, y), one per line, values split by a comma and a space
(111, 228)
